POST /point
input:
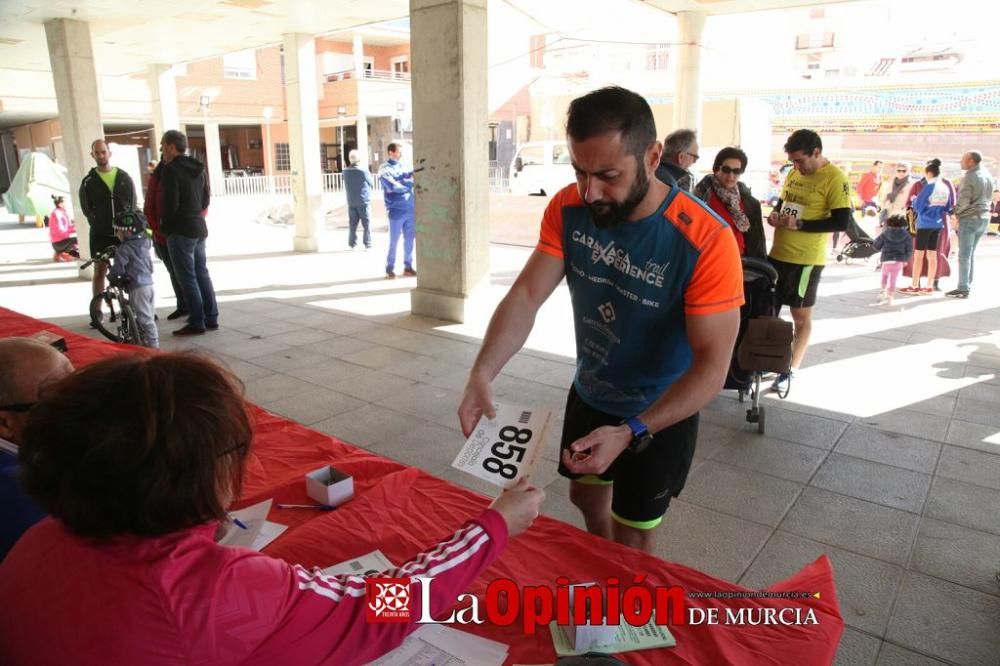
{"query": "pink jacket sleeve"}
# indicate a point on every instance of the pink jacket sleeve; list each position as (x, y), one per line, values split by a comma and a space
(265, 611)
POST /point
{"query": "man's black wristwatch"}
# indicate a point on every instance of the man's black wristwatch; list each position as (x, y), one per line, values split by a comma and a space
(641, 437)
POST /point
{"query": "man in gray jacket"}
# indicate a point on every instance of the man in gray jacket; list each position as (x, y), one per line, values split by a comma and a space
(975, 194)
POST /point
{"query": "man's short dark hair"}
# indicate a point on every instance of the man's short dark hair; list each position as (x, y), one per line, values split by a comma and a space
(137, 444)
(613, 110)
(730, 153)
(177, 139)
(877, 163)
(976, 156)
(678, 142)
(803, 140)
(392, 148)
(95, 142)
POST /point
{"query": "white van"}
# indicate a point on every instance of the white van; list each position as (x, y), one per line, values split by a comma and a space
(541, 167)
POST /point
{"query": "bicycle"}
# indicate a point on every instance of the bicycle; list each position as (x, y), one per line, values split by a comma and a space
(121, 324)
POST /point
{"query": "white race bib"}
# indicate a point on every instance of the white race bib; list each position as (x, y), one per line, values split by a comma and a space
(503, 450)
(939, 197)
(793, 209)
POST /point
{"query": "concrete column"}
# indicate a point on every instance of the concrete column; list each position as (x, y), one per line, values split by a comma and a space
(448, 56)
(361, 117)
(78, 98)
(303, 135)
(687, 96)
(163, 92)
(213, 157)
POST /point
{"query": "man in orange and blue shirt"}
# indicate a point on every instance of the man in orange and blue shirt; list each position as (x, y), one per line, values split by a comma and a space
(656, 286)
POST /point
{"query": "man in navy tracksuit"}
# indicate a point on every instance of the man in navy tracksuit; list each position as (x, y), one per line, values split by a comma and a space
(397, 188)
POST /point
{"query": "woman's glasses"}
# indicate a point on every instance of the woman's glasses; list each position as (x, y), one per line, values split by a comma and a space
(730, 170)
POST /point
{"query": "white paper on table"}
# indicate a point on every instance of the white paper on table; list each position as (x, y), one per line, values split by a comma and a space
(268, 532)
(505, 449)
(438, 645)
(253, 517)
(365, 565)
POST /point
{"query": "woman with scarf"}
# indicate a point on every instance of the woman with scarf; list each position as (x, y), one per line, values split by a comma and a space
(731, 200)
(935, 197)
(894, 193)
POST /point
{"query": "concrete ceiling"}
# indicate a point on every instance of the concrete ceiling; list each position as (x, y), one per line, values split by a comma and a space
(129, 35)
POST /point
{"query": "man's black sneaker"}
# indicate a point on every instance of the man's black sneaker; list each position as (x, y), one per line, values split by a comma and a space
(189, 330)
(177, 314)
(958, 293)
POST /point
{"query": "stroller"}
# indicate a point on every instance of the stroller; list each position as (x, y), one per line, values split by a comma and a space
(861, 245)
(764, 343)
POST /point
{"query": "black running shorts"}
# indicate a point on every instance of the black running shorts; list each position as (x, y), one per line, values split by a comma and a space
(797, 283)
(643, 482)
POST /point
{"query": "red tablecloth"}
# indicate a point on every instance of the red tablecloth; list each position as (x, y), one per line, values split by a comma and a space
(401, 510)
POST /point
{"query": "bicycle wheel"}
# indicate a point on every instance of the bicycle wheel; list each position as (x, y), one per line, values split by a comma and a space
(107, 324)
(129, 326)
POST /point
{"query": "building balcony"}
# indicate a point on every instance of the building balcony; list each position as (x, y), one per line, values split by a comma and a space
(379, 93)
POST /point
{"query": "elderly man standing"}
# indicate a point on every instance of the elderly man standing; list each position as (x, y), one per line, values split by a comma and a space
(26, 367)
(972, 210)
(680, 152)
(358, 184)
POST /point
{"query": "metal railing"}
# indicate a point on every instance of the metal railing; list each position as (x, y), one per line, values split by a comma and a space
(281, 184)
(374, 74)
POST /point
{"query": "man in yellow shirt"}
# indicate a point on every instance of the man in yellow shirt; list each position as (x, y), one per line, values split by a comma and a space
(815, 201)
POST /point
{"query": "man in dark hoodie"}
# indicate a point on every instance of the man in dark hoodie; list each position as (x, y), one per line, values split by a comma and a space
(185, 195)
(104, 192)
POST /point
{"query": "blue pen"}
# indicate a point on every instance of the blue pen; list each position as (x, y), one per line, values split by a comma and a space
(238, 523)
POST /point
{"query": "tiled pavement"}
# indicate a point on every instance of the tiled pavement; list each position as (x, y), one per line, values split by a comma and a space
(886, 456)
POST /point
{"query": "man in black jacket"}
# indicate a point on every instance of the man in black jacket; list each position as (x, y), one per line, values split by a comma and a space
(185, 196)
(680, 152)
(104, 192)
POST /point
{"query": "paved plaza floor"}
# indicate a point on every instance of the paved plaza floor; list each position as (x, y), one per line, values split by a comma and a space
(885, 456)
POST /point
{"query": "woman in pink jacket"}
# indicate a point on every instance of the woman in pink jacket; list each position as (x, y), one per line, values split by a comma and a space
(136, 459)
(62, 232)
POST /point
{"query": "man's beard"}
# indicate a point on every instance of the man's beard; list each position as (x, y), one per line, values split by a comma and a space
(610, 214)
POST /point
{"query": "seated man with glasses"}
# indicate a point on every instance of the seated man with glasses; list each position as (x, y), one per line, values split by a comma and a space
(731, 200)
(26, 367)
(680, 152)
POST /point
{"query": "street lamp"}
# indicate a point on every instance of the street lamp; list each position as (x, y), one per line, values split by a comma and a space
(341, 112)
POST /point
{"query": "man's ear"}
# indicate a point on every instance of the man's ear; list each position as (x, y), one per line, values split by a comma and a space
(653, 155)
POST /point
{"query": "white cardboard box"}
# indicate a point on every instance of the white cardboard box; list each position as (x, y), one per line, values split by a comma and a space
(328, 485)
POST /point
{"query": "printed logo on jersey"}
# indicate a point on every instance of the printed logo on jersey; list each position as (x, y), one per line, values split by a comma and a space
(607, 312)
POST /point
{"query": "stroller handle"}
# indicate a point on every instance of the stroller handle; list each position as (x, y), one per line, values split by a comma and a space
(762, 266)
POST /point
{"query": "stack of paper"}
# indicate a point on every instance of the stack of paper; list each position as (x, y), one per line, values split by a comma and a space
(366, 565)
(438, 645)
(627, 639)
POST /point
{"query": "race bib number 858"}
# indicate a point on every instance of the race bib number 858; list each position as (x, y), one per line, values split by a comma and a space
(506, 448)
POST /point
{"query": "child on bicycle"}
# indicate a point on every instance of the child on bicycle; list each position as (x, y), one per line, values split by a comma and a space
(134, 264)
(896, 245)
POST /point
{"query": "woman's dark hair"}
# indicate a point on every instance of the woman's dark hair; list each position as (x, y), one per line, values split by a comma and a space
(142, 445)
(933, 167)
(56, 200)
(613, 109)
(730, 153)
(896, 220)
